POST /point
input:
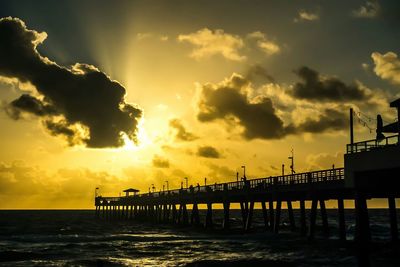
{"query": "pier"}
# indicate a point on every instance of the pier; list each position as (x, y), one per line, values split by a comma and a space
(371, 170)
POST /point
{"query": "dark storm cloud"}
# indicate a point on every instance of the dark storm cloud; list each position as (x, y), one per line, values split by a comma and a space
(229, 102)
(327, 89)
(259, 119)
(29, 104)
(61, 128)
(82, 95)
(208, 152)
(160, 162)
(330, 120)
(181, 132)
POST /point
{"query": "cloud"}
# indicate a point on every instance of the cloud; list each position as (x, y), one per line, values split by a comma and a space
(365, 66)
(269, 47)
(218, 173)
(209, 43)
(387, 66)
(208, 152)
(82, 96)
(318, 88)
(257, 72)
(142, 36)
(324, 161)
(180, 131)
(370, 9)
(230, 99)
(29, 104)
(160, 162)
(267, 112)
(304, 15)
(329, 119)
(26, 186)
(164, 38)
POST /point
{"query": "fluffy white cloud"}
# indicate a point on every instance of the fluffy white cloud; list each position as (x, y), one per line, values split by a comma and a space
(209, 43)
(387, 66)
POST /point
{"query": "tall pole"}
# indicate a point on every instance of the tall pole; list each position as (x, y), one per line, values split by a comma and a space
(283, 169)
(292, 165)
(351, 130)
(167, 185)
(244, 172)
(205, 181)
(186, 179)
(398, 123)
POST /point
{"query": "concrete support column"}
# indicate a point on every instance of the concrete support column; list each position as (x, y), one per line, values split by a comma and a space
(393, 219)
(303, 222)
(277, 215)
(174, 214)
(195, 217)
(209, 223)
(225, 222)
(185, 216)
(342, 223)
(271, 215)
(244, 208)
(313, 218)
(362, 235)
(265, 214)
(291, 216)
(324, 217)
(249, 217)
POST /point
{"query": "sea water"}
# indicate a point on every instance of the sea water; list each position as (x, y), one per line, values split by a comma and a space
(77, 238)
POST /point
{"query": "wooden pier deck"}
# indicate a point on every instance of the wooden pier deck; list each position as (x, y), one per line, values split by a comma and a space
(317, 187)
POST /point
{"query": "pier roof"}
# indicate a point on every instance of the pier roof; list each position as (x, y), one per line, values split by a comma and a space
(131, 190)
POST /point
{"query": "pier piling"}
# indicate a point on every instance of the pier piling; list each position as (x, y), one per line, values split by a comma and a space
(393, 219)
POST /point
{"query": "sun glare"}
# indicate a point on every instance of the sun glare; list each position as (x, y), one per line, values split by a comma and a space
(142, 136)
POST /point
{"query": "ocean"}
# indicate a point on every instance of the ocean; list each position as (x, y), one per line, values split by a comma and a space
(77, 238)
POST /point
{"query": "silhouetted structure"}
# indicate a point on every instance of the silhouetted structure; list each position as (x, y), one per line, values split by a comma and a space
(131, 190)
(371, 170)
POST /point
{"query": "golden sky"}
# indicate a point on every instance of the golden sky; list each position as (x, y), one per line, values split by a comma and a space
(140, 92)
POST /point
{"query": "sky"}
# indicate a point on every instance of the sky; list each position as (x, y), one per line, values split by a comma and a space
(119, 94)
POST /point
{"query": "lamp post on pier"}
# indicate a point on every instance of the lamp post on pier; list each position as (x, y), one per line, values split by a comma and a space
(167, 185)
(244, 173)
(292, 162)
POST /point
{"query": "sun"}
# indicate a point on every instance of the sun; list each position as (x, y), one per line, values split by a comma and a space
(143, 140)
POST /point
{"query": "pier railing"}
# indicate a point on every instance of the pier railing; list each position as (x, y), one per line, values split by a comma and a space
(372, 144)
(306, 178)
